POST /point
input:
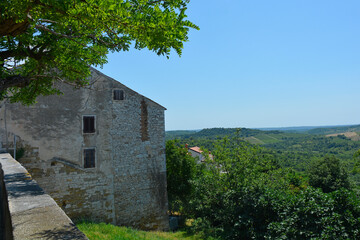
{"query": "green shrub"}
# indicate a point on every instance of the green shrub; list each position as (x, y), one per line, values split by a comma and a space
(328, 174)
(244, 194)
(180, 171)
(312, 214)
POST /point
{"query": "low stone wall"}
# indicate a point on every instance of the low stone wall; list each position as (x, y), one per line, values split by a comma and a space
(34, 214)
(5, 219)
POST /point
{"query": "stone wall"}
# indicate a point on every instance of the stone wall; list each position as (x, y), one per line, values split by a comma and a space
(128, 184)
(6, 229)
(139, 164)
(33, 213)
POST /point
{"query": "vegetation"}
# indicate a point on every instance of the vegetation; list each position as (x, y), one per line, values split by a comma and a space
(328, 174)
(331, 130)
(180, 170)
(292, 150)
(102, 231)
(20, 152)
(59, 40)
(245, 192)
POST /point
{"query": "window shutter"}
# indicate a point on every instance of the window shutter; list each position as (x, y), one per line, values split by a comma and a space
(89, 158)
(118, 94)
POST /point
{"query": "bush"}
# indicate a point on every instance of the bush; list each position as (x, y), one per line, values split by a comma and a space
(244, 194)
(227, 199)
(328, 174)
(312, 214)
(180, 170)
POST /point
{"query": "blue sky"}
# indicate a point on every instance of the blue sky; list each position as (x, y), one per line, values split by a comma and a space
(255, 64)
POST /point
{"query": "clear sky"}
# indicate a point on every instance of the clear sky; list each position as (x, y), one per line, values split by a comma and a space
(255, 64)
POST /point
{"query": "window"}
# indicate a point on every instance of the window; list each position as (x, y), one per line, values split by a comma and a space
(89, 158)
(118, 95)
(88, 124)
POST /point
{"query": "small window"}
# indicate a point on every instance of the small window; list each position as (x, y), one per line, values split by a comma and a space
(89, 158)
(88, 124)
(118, 95)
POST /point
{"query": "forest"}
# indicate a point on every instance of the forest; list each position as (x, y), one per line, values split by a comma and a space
(267, 184)
(294, 149)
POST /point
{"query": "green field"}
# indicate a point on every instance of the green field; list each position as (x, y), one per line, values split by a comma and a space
(103, 231)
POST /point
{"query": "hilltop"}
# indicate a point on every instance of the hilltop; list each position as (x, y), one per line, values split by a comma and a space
(293, 147)
(255, 136)
(267, 135)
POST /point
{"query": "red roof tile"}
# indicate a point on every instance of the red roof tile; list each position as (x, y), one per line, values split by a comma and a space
(196, 149)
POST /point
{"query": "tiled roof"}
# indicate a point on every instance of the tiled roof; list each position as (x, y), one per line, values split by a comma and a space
(196, 149)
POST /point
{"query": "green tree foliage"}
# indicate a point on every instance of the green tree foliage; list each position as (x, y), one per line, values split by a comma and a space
(328, 174)
(226, 197)
(312, 214)
(59, 40)
(243, 193)
(356, 168)
(180, 170)
(292, 150)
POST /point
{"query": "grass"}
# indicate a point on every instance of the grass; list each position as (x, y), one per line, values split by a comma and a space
(103, 231)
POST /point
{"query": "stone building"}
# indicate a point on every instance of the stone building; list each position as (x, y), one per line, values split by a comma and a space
(98, 151)
(198, 154)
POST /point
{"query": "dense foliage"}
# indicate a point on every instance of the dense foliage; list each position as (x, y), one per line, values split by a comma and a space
(59, 40)
(245, 193)
(328, 174)
(306, 148)
(292, 150)
(180, 171)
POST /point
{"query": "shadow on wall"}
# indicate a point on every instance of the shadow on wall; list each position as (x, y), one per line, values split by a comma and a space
(68, 231)
(27, 187)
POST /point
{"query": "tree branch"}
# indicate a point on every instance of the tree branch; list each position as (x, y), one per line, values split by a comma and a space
(14, 81)
(42, 27)
(9, 27)
(48, 21)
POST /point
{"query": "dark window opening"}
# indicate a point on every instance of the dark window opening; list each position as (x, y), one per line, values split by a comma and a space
(118, 95)
(89, 158)
(89, 124)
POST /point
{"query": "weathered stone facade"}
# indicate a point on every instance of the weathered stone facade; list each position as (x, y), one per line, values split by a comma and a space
(127, 186)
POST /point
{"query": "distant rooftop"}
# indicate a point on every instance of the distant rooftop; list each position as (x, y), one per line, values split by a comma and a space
(196, 149)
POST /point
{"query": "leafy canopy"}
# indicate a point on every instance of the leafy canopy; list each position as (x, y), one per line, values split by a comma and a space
(328, 174)
(180, 171)
(60, 40)
(243, 193)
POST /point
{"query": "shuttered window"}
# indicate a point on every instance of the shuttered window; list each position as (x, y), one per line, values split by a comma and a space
(89, 158)
(88, 124)
(118, 95)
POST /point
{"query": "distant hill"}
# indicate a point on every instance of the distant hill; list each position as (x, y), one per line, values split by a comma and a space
(323, 130)
(333, 130)
(350, 135)
(266, 135)
(179, 133)
(290, 129)
(292, 147)
(255, 136)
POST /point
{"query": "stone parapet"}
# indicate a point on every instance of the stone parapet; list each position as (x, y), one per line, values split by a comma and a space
(34, 214)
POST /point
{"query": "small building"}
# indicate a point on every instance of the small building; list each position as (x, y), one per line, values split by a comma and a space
(99, 151)
(197, 153)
